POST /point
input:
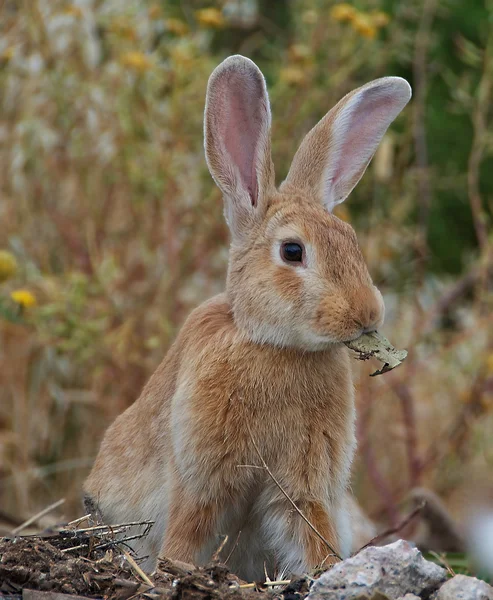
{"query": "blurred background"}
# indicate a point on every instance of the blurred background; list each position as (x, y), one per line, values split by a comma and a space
(111, 229)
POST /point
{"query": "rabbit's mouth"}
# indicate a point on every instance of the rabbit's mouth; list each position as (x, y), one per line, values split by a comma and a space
(361, 331)
(355, 336)
(321, 340)
(349, 334)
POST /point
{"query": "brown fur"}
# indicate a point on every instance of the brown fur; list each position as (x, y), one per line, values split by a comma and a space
(264, 359)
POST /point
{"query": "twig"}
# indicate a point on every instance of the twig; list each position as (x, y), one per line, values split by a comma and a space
(293, 504)
(80, 520)
(459, 289)
(37, 516)
(110, 528)
(393, 530)
(137, 569)
(79, 547)
(249, 586)
(480, 126)
(233, 548)
(122, 541)
(422, 42)
(215, 556)
(443, 561)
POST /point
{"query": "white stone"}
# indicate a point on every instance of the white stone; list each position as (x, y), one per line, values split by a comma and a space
(393, 570)
(462, 587)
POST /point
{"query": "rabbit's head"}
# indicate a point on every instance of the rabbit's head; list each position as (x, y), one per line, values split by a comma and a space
(296, 276)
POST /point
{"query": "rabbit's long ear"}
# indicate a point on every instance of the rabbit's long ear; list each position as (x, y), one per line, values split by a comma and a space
(335, 153)
(237, 140)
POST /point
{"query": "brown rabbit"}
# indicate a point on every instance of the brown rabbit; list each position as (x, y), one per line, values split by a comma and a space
(265, 359)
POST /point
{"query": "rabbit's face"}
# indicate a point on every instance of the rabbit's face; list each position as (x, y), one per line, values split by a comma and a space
(296, 275)
(302, 280)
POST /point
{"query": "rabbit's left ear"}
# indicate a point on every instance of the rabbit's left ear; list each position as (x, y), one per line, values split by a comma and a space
(237, 140)
(335, 153)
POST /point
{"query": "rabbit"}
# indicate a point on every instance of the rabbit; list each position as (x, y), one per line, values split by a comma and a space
(259, 372)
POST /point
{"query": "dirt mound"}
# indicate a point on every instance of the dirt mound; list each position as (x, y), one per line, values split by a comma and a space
(84, 564)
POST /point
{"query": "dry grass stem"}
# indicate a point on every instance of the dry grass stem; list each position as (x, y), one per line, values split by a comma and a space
(443, 561)
(137, 569)
(79, 520)
(38, 515)
(251, 586)
(224, 541)
(235, 545)
(112, 528)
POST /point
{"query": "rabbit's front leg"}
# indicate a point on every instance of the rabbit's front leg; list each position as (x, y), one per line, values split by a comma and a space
(297, 547)
(191, 523)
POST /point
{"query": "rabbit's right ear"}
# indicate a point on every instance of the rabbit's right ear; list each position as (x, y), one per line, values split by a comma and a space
(335, 153)
(237, 141)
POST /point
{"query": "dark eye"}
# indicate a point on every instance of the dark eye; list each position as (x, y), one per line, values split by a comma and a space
(292, 252)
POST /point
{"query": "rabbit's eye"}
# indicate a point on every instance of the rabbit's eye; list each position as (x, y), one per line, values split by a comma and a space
(292, 252)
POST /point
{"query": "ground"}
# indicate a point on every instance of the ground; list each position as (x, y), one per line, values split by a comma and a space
(78, 562)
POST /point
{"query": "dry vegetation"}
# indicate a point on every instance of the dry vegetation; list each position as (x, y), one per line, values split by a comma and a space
(117, 230)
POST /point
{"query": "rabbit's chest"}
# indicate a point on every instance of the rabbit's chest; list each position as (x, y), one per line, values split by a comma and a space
(294, 413)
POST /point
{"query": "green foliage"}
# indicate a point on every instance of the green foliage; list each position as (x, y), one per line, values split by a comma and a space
(457, 563)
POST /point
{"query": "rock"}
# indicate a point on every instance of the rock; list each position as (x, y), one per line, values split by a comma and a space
(393, 570)
(462, 587)
(409, 597)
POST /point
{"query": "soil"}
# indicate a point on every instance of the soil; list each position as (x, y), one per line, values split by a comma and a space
(81, 564)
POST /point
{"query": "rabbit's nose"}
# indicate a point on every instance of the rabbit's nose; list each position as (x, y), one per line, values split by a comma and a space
(371, 312)
(370, 328)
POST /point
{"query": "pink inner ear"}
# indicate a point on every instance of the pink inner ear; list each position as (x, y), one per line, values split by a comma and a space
(362, 132)
(241, 127)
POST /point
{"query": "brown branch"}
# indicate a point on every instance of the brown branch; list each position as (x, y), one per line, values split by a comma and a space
(394, 530)
(454, 293)
(479, 120)
(215, 556)
(409, 417)
(420, 84)
(456, 436)
(368, 455)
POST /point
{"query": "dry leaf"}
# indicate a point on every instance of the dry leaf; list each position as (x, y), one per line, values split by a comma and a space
(376, 345)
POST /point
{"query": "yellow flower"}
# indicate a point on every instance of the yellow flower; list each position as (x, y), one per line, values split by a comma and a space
(154, 11)
(182, 56)
(123, 29)
(8, 265)
(487, 400)
(73, 11)
(364, 26)
(210, 17)
(138, 61)
(7, 54)
(24, 298)
(309, 17)
(292, 75)
(379, 18)
(176, 26)
(299, 52)
(343, 12)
